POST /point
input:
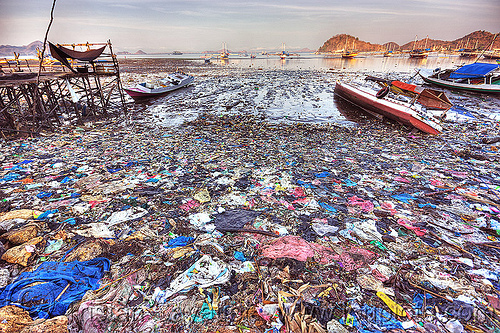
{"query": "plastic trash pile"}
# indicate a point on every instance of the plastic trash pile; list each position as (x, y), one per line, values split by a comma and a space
(232, 224)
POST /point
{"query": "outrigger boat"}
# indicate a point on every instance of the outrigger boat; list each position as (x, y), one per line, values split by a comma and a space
(408, 104)
(172, 82)
(477, 77)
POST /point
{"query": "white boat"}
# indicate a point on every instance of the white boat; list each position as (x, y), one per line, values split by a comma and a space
(170, 83)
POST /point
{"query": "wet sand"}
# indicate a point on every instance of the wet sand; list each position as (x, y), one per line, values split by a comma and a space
(277, 94)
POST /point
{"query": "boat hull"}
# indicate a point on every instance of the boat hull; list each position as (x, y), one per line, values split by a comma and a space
(418, 56)
(481, 88)
(389, 108)
(492, 56)
(140, 94)
(349, 55)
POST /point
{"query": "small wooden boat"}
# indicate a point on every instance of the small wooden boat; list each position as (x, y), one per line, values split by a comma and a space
(172, 82)
(411, 111)
(477, 77)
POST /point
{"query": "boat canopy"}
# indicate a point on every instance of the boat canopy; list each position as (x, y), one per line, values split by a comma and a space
(473, 71)
(62, 54)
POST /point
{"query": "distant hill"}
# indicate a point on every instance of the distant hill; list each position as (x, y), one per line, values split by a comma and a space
(30, 50)
(140, 52)
(305, 50)
(480, 38)
(348, 42)
(25, 50)
(390, 46)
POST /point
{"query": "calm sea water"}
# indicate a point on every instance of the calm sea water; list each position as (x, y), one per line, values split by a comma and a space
(297, 89)
(375, 62)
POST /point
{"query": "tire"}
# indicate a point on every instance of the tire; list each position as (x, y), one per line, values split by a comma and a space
(383, 92)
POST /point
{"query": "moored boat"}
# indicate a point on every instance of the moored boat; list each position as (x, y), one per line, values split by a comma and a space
(419, 54)
(492, 54)
(410, 110)
(468, 53)
(476, 77)
(170, 83)
(349, 54)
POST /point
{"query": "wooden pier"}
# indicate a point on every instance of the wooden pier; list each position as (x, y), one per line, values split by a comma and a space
(62, 94)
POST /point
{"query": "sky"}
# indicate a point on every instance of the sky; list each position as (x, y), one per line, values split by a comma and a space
(199, 25)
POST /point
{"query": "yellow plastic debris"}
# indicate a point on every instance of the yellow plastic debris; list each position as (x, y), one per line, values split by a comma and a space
(395, 307)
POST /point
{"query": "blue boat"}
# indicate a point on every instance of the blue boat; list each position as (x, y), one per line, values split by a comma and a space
(477, 77)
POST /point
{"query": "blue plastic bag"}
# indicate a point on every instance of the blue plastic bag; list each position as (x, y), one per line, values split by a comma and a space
(50, 289)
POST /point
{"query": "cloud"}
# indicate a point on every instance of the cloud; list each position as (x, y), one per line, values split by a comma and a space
(204, 24)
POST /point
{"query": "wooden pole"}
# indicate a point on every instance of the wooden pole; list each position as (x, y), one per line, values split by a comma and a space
(36, 97)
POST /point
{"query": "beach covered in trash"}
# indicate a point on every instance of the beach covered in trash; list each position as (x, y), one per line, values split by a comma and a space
(217, 209)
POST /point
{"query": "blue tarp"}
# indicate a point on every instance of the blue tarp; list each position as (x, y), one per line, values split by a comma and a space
(179, 241)
(472, 71)
(372, 318)
(43, 292)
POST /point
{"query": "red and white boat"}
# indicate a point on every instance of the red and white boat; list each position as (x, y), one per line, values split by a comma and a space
(413, 109)
(170, 83)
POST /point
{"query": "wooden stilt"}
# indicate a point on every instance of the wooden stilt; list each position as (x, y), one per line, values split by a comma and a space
(29, 105)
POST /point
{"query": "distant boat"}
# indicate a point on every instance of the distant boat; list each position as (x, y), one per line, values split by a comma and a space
(283, 54)
(177, 53)
(477, 77)
(388, 54)
(172, 82)
(412, 110)
(349, 54)
(224, 55)
(419, 53)
(468, 53)
(491, 55)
